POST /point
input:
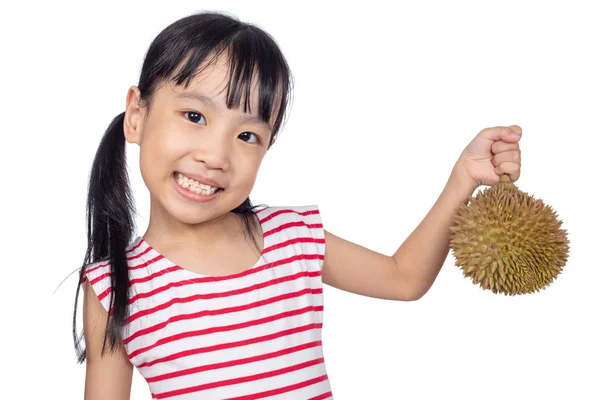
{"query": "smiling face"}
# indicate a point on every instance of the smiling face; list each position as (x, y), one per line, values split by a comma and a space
(190, 131)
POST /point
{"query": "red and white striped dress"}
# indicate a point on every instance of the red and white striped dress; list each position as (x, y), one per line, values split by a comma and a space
(249, 335)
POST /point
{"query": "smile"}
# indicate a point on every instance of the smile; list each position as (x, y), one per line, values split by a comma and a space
(194, 186)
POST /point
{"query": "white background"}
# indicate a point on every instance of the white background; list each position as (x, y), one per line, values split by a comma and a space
(386, 97)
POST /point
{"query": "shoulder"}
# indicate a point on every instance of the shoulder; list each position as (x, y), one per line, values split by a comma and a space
(97, 277)
(307, 213)
(292, 221)
(297, 229)
(98, 274)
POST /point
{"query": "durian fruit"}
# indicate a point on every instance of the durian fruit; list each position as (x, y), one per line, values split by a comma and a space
(507, 241)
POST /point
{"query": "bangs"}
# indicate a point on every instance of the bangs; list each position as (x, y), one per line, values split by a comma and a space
(253, 58)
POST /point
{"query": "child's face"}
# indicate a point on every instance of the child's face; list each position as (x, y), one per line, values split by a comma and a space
(191, 131)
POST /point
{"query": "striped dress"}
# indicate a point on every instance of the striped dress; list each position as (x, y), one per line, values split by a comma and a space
(249, 335)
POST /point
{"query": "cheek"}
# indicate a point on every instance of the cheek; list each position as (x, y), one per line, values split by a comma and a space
(148, 169)
(248, 170)
(155, 153)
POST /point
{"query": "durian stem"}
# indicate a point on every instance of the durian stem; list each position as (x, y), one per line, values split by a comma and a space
(505, 178)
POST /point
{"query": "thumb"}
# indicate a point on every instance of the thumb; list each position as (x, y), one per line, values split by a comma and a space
(506, 133)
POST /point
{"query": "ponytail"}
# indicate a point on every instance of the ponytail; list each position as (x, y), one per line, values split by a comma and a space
(248, 217)
(175, 56)
(110, 225)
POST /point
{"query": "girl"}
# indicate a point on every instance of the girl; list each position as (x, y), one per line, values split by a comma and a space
(220, 298)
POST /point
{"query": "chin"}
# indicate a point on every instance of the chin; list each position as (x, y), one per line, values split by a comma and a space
(196, 213)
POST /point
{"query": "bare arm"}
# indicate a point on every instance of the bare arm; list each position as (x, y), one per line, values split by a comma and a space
(410, 272)
(423, 253)
(107, 377)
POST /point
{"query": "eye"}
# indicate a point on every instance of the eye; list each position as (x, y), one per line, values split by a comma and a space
(195, 117)
(247, 137)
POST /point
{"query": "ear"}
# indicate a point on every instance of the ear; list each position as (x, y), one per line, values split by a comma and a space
(134, 116)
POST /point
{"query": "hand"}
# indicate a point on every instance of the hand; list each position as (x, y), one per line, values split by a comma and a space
(492, 153)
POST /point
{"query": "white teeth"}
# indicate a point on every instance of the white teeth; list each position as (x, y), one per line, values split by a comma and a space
(194, 186)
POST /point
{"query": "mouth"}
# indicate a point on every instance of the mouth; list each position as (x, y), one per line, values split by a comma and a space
(194, 186)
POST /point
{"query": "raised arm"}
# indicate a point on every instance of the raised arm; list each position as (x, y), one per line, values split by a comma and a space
(107, 377)
(411, 270)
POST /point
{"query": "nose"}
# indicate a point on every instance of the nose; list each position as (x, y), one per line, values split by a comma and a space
(213, 151)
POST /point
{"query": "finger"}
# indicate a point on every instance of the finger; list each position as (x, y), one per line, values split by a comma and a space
(509, 134)
(509, 168)
(500, 146)
(507, 156)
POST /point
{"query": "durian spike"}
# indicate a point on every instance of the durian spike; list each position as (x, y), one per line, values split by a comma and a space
(507, 241)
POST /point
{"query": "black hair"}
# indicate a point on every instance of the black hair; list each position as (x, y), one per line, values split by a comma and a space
(175, 55)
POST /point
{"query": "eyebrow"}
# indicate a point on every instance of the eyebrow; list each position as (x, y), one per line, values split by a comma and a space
(197, 96)
(208, 101)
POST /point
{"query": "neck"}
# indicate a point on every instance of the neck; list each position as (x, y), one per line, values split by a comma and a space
(164, 229)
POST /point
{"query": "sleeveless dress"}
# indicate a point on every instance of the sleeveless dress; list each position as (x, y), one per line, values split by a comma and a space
(249, 335)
